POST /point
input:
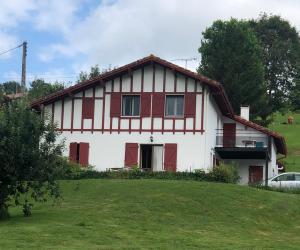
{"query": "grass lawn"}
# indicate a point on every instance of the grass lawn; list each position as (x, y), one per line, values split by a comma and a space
(292, 136)
(157, 214)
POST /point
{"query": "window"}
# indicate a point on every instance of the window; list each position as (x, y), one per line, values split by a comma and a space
(131, 105)
(285, 177)
(174, 105)
(297, 177)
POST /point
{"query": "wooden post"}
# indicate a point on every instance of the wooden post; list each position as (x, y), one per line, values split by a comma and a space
(23, 79)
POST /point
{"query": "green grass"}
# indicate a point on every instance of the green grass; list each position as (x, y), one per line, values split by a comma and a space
(292, 136)
(157, 214)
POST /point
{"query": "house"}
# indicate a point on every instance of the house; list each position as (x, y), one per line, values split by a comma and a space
(161, 117)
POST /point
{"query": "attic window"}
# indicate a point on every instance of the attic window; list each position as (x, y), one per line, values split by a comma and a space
(174, 105)
(131, 105)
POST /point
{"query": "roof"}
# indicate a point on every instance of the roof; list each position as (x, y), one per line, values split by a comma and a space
(278, 139)
(215, 87)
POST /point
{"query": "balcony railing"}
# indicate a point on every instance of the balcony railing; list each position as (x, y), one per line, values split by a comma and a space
(242, 139)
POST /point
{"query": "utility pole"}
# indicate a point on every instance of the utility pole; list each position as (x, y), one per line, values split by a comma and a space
(23, 79)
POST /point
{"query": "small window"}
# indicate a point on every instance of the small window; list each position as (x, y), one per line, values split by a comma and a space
(297, 177)
(286, 177)
(174, 105)
(131, 105)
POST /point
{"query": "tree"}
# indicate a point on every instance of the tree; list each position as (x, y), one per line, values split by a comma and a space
(295, 93)
(230, 54)
(39, 88)
(94, 72)
(10, 87)
(280, 55)
(29, 156)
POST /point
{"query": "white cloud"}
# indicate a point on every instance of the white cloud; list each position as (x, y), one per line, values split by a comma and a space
(14, 11)
(117, 32)
(122, 31)
(56, 16)
(6, 43)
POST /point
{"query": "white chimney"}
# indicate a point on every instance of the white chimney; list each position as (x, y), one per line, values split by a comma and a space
(245, 112)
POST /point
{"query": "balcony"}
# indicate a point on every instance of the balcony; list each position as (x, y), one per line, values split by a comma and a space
(241, 145)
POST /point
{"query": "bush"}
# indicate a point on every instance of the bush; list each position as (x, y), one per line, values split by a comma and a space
(227, 173)
(222, 173)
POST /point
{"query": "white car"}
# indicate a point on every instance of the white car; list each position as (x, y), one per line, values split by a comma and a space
(285, 180)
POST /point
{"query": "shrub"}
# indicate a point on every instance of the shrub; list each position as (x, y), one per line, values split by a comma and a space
(227, 173)
(222, 173)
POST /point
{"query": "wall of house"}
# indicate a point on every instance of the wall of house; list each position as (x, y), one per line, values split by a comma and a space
(273, 168)
(108, 150)
(106, 135)
(244, 132)
(149, 79)
(243, 165)
(213, 122)
(243, 168)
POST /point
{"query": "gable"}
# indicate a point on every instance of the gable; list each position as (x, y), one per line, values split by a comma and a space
(174, 72)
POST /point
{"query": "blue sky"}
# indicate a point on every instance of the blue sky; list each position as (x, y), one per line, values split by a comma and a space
(67, 36)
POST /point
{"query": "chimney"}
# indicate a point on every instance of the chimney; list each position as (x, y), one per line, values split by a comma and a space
(245, 112)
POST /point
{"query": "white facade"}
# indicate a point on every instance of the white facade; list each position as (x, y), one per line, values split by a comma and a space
(107, 135)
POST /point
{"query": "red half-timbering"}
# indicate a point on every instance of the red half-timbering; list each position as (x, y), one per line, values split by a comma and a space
(170, 157)
(152, 105)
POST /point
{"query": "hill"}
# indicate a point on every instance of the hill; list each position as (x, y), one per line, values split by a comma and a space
(292, 136)
(157, 214)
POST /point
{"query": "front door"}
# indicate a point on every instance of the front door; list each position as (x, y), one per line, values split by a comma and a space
(255, 174)
(146, 157)
(151, 157)
(229, 134)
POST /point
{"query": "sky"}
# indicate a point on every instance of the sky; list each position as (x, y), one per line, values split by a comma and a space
(68, 36)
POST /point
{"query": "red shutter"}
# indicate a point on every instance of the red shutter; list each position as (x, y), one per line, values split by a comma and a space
(145, 104)
(115, 105)
(170, 159)
(190, 105)
(229, 135)
(131, 154)
(87, 108)
(84, 154)
(72, 151)
(158, 105)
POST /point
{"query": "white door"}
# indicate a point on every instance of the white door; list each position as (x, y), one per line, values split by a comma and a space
(157, 158)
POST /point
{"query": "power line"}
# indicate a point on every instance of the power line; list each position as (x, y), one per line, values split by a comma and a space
(6, 51)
